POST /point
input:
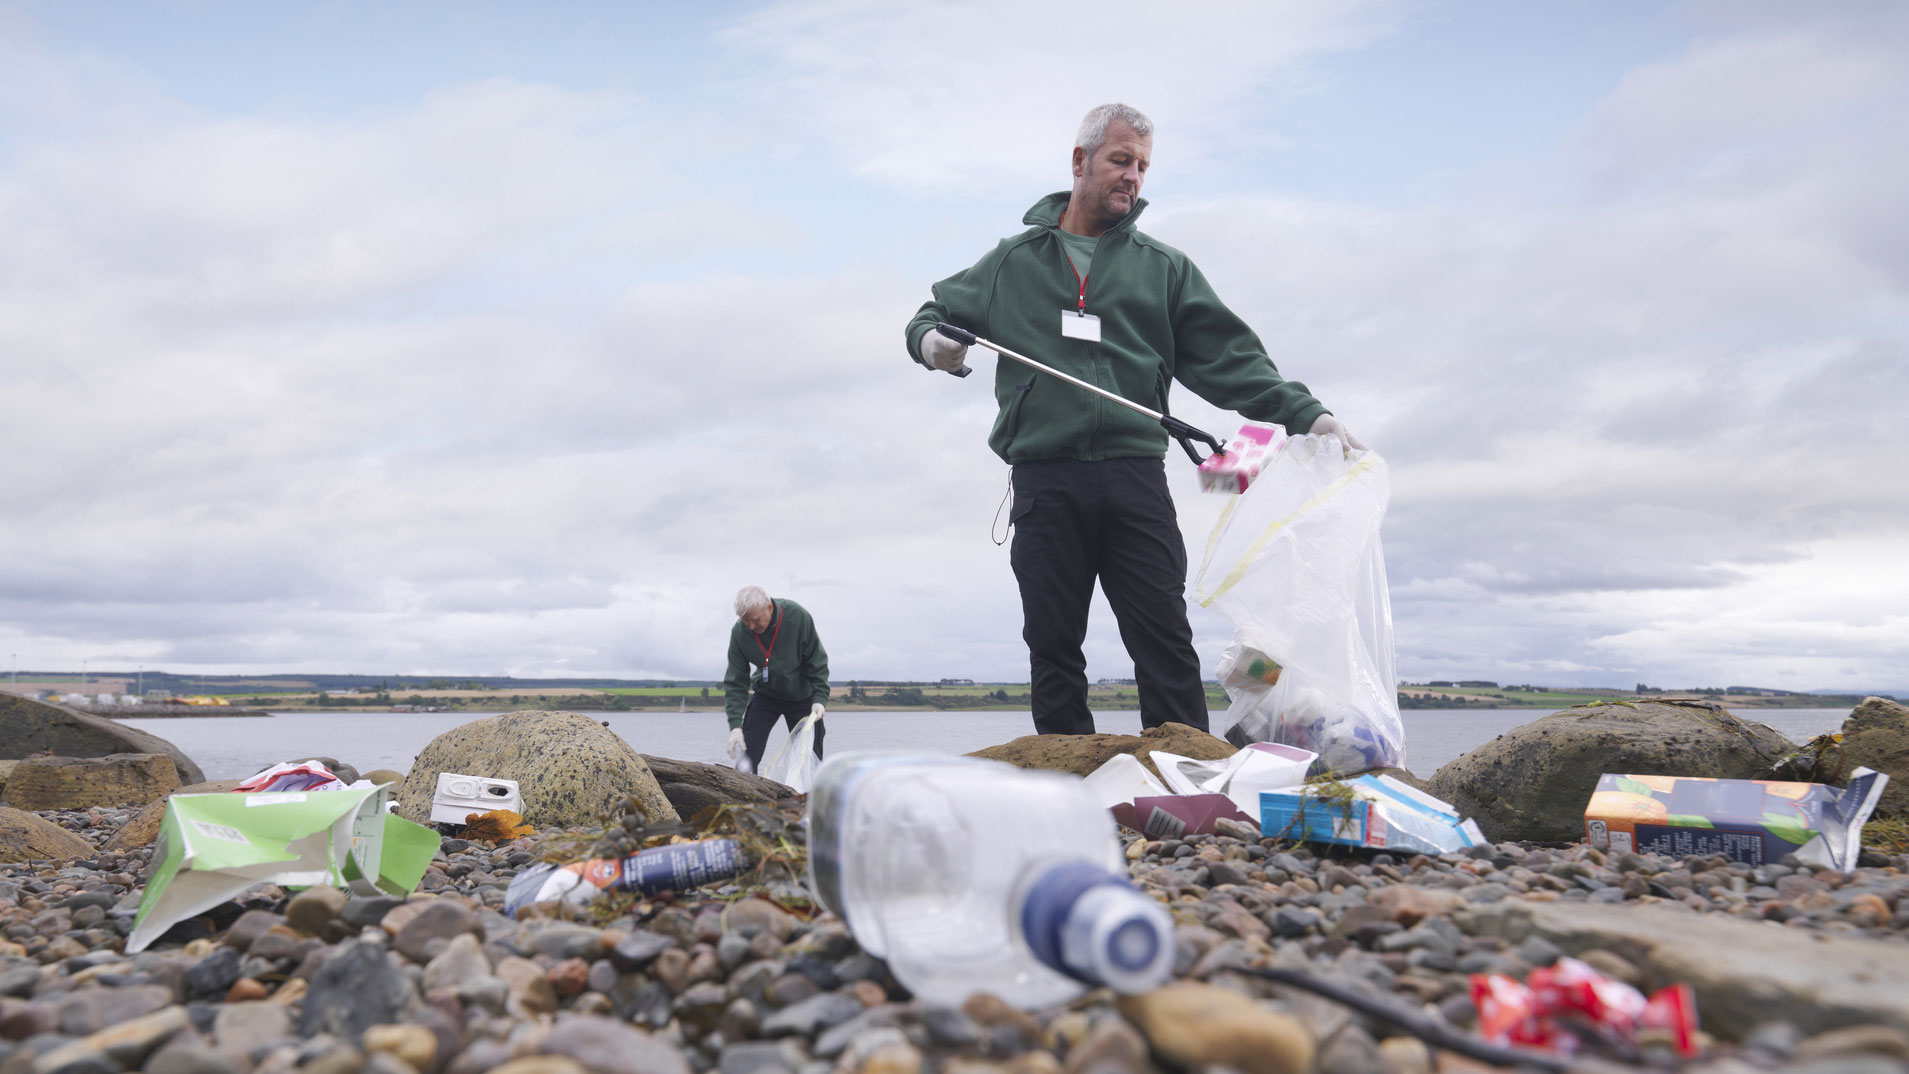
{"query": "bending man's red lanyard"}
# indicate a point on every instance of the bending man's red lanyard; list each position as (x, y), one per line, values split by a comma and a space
(772, 642)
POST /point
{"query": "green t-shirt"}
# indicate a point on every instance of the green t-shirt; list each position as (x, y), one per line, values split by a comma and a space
(1080, 249)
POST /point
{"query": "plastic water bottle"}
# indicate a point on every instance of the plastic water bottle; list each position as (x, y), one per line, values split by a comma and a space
(975, 876)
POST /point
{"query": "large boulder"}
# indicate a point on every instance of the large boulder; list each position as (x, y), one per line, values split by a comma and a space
(571, 769)
(40, 784)
(25, 837)
(144, 827)
(1533, 782)
(28, 727)
(693, 786)
(1876, 735)
(1081, 754)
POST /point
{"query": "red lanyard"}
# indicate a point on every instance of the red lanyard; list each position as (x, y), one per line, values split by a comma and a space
(1079, 280)
(772, 639)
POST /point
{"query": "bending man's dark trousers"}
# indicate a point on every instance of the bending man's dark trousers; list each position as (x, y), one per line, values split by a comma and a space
(1075, 521)
(760, 718)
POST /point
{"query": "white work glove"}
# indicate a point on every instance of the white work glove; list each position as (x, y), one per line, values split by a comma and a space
(816, 710)
(736, 744)
(940, 352)
(1327, 425)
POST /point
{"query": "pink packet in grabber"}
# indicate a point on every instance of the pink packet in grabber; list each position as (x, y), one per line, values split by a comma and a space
(1245, 456)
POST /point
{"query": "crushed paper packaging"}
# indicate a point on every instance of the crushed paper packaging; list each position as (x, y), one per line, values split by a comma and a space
(212, 847)
(1262, 766)
(1748, 820)
(1381, 812)
(1246, 454)
(1194, 794)
(1121, 780)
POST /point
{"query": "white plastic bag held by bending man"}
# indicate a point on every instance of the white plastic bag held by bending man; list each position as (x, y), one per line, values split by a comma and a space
(1295, 563)
(795, 764)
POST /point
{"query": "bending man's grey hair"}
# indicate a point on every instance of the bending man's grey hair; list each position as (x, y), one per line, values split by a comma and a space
(749, 598)
(1093, 129)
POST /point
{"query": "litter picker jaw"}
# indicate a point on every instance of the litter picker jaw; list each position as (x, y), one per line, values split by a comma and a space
(1179, 430)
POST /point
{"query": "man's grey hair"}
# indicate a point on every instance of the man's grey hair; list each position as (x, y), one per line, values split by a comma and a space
(749, 598)
(1093, 129)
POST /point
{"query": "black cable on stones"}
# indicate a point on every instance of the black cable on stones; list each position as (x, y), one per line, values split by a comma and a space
(1412, 1022)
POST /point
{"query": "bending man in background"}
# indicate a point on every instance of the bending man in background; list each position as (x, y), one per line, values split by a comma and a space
(1086, 292)
(777, 668)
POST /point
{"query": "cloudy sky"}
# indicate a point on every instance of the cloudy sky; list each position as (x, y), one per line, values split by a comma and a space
(487, 338)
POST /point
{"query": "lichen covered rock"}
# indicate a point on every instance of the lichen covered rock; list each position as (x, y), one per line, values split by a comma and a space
(1876, 735)
(571, 769)
(1533, 782)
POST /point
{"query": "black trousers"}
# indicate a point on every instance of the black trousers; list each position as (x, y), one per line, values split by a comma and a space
(1112, 520)
(760, 718)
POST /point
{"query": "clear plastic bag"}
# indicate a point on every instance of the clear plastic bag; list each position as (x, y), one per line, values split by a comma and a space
(1296, 563)
(794, 765)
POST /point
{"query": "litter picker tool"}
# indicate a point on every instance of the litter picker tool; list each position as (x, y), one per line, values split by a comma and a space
(1177, 429)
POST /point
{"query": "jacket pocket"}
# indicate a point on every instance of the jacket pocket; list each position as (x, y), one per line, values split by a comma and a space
(1011, 424)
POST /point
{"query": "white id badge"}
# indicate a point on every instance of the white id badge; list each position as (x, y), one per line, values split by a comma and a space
(1080, 326)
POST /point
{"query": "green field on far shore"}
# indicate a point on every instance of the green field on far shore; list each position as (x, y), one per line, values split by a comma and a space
(977, 697)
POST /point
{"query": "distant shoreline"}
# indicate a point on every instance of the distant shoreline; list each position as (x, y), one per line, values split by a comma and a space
(1097, 704)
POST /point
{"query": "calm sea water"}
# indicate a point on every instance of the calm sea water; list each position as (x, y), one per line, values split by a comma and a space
(235, 747)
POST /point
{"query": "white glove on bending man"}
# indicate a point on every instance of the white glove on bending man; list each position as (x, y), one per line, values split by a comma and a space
(1327, 425)
(940, 352)
(816, 710)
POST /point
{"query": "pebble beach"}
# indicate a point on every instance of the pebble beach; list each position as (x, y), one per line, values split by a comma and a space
(747, 979)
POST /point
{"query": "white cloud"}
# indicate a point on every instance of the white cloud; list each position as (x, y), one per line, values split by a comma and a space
(937, 96)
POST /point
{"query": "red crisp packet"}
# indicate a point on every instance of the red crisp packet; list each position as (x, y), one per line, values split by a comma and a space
(1529, 1014)
(1508, 1014)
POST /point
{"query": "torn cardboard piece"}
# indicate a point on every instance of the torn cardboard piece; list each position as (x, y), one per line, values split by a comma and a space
(212, 847)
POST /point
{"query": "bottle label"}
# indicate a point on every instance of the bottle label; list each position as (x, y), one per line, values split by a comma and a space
(684, 865)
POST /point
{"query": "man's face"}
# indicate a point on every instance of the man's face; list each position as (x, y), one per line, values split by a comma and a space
(757, 619)
(1107, 185)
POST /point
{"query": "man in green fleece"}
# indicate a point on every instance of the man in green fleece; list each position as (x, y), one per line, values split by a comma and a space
(774, 650)
(1084, 291)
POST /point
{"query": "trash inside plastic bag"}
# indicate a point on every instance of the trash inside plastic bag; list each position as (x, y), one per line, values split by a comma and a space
(1296, 563)
(665, 868)
(1757, 821)
(795, 764)
(291, 776)
(212, 847)
(1367, 811)
(1557, 1003)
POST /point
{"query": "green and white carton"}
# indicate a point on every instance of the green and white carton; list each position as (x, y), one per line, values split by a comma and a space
(212, 847)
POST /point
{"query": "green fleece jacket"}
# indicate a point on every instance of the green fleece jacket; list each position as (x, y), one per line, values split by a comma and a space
(1159, 321)
(798, 665)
